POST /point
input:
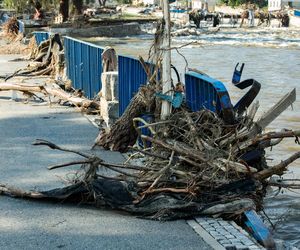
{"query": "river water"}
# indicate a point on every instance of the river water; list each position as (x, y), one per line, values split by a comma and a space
(272, 57)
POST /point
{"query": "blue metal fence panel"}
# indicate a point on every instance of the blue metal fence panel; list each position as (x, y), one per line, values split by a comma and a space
(41, 36)
(203, 91)
(84, 65)
(131, 77)
(4, 18)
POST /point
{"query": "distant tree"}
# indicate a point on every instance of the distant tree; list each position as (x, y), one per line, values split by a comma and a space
(124, 1)
(234, 3)
(64, 9)
(78, 4)
(22, 5)
(102, 2)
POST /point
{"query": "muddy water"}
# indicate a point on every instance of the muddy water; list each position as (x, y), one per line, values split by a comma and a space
(272, 57)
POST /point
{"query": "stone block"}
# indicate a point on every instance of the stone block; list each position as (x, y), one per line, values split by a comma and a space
(109, 110)
(229, 236)
(109, 89)
(241, 247)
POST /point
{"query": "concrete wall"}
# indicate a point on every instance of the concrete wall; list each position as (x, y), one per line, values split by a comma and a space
(118, 30)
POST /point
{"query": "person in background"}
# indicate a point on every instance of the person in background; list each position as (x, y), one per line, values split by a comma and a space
(269, 17)
(251, 16)
(39, 14)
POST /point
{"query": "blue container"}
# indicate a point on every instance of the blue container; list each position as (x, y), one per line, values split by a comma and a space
(21, 27)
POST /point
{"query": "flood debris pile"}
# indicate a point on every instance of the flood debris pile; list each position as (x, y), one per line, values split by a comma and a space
(10, 29)
(12, 38)
(47, 59)
(195, 165)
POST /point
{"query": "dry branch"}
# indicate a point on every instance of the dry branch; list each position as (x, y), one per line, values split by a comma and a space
(52, 90)
(278, 169)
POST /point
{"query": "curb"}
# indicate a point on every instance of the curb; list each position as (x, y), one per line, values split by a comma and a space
(221, 234)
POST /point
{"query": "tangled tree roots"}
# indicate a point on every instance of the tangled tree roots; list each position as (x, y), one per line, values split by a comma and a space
(172, 184)
(45, 59)
(10, 34)
(11, 28)
(123, 134)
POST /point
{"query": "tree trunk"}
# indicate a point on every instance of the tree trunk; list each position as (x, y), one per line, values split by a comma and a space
(122, 133)
(102, 2)
(64, 9)
(78, 4)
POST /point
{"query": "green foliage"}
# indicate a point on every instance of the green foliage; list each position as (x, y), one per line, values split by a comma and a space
(124, 1)
(23, 5)
(235, 3)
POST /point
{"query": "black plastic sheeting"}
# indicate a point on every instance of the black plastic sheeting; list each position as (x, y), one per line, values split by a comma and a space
(122, 195)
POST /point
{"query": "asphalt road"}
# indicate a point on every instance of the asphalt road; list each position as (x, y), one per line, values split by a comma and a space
(43, 225)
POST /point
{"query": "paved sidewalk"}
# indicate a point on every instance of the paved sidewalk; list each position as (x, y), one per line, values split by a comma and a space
(43, 225)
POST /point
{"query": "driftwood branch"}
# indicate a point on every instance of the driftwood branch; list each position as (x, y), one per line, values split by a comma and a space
(41, 142)
(51, 90)
(278, 169)
(183, 151)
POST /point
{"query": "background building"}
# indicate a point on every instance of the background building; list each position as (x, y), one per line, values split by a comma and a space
(274, 5)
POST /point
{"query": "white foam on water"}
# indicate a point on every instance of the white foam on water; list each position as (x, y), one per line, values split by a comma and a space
(259, 37)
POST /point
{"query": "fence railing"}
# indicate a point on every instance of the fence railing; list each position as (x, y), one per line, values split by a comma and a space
(41, 36)
(84, 69)
(84, 66)
(201, 91)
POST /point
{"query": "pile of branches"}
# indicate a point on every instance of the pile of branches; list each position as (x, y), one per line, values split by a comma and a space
(44, 59)
(11, 28)
(195, 165)
(12, 37)
(47, 60)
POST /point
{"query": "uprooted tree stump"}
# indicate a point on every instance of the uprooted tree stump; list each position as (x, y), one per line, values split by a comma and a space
(122, 133)
(45, 59)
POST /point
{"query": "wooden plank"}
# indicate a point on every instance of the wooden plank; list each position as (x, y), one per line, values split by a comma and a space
(277, 109)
